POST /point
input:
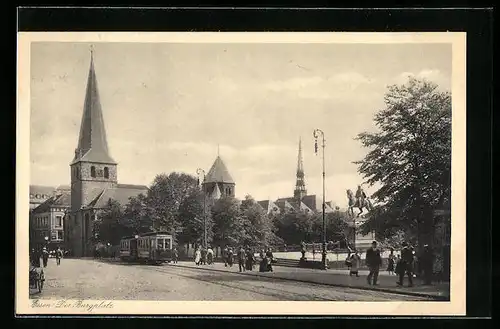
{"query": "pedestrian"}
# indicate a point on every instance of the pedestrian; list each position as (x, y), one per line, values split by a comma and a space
(197, 256)
(314, 252)
(225, 253)
(241, 259)
(175, 255)
(250, 259)
(355, 261)
(303, 249)
(426, 265)
(210, 255)
(405, 265)
(373, 260)
(45, 256)
(203, 256)
(269, 260)
(348, 261)
(59, 255)
(390, 261)
(230, 257)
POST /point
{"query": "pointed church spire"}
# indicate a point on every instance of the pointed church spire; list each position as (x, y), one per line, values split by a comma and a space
(300, 185)
(92, 142)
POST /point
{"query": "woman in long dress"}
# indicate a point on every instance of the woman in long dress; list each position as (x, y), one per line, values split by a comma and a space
(197, 256)
(391, 261)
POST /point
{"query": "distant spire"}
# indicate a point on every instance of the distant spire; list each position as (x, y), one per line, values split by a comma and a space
(300, 185)
(92, 142)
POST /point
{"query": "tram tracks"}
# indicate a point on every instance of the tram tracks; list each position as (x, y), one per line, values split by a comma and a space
(266, 291)
(318, 292)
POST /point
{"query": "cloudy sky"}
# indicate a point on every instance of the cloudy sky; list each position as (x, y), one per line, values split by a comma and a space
(168, 106)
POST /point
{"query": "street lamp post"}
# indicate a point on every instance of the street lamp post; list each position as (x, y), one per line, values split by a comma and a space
(316, 134)
(201, 172)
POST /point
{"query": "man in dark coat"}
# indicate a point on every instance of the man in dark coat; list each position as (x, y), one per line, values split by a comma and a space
(225, 252)
(242, 255)
(270, 259)
(250, 259)
(203, 256)
(59, 255)
(426, 260)
(45, 256)
(373, 261)
(406, 265)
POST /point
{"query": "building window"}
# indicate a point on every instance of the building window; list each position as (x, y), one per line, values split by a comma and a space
(92, 171)
(59, 221)
(106, 172)
(59, 235)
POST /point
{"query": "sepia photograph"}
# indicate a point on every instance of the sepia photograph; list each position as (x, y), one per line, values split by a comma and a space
(253, 167)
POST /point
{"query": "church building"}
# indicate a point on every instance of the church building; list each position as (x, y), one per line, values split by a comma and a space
(94, 175)
(218, 182)
(300, 201)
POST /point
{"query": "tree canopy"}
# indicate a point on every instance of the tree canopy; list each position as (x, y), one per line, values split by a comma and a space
(410, 158)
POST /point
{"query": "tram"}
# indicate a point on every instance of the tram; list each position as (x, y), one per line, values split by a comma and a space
(151, 248)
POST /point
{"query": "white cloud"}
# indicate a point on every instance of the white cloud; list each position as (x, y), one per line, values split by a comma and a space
(433, 75)
(335, 86)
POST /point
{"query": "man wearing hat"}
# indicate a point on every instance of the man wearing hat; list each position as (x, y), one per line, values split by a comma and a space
(406, 265)
(373, 261)
(45, 256)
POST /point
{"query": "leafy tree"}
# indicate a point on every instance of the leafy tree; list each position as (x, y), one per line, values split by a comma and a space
(165, 197)
(191, 219)
(229, 225)
(295, 226)
(410, 158)
(258, 226)
(136, 216)
(109, 223)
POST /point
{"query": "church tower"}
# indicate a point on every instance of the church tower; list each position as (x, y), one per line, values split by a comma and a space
(92, 168)
(218, 182)
(300, 185)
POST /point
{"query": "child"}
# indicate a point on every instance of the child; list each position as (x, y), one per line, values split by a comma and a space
(355, 260)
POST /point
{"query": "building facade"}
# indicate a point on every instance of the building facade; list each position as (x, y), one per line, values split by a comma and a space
(94, 175)
(47, 222)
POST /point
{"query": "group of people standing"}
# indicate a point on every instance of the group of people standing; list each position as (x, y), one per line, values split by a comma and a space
(246, 259)
(402, 266)
(202, 256)
(43, 254)
(245, 256)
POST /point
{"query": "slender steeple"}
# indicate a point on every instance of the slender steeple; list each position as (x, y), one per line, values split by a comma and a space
(92, 142)
(300, 185)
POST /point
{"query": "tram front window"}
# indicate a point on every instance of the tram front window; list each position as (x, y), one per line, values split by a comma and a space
(160, 244)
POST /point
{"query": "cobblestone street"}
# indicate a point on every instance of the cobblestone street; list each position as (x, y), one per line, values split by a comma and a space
(91, 279)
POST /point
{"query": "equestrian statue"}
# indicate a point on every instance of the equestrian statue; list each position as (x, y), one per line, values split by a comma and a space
(360, 201)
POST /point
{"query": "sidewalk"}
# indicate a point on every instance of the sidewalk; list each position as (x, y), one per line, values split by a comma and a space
(340, 278)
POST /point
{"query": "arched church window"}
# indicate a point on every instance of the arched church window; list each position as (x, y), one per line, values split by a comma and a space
(106, 172)
(92, 171)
